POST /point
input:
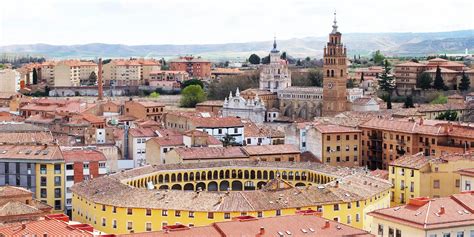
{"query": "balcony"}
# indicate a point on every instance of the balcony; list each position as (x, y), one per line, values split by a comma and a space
(375, 137)
(401, 152)
(452, 144)
(401, 142)
(376, 148)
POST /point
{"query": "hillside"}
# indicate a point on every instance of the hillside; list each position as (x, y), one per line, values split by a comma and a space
(357, 43)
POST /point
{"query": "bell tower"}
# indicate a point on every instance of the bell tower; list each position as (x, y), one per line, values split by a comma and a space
(334, 69)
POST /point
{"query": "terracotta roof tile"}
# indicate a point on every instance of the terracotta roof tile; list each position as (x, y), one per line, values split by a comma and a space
(83, 156)
(271, 149)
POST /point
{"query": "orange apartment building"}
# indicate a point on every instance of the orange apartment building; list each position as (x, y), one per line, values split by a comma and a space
(385, 140)
(195, 67)
(144, 109)
(407, 73)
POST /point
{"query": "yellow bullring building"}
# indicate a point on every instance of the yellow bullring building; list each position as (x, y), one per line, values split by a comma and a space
(198, 194)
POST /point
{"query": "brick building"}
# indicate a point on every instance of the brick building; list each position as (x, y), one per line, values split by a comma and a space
(144, 109)
(195, 67)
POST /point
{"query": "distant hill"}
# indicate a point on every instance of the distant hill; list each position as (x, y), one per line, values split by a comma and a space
(357, 43)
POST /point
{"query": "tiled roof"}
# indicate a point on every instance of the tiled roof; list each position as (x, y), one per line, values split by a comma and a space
(13, 191)
(363, 101)
(331, 128)
(83, 156)
(253, 130)
(203, 153)
(401, 126)
(169, 140)
(410, 64)
(466, 172)
(213, 122)
(291, 225)
(211, 103)
(423, 213)
(92, 118)
(142, 132)
(416, 161)
(26, 138)
(271, 149)
(14, 208)
(353, 185)
(150, 103)
(30, 152)
(46, 227)
(257, 92)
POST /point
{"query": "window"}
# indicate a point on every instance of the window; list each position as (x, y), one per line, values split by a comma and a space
(57, 180)
(338, 137)
(236, 130)
(219, 131)
(347, 137)
(148, 226)
(349, 219)
(336, 207)
(42, 169)
(177, 213)
(43, 193)
(69, 178)
(104, 221)
(114, 210)
(398, 233)
(210, 215)
(412, 173)
(129, 225)
(278, 212)
(349, 205)
(390, 232)
(164, 212)
(57, 168)
(148, 212)
(357, 204)
(57, 193)
(103, 208)
(457, 183)
(69, 167)
(191, 214)
(43, 181)
(328, 138)
(57, 205)
(260, 214)
(114, 224)
(357, 217)
(86, 166)
(355, 137)
(436, 183)
(227, 216)
(467, 185)
(460, 234)
(446, 234)
(129, 211)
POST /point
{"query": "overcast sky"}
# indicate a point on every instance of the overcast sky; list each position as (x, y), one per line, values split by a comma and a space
(218, 21)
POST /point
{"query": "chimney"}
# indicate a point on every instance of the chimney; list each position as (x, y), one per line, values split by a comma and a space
(327, 224)
(23, 226)
(337, 184)
(99, 81)
(441, 210)
(261, 232)
(421, 121)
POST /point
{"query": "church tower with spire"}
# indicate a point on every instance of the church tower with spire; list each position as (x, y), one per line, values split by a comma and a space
(275, 76)
(334, 69)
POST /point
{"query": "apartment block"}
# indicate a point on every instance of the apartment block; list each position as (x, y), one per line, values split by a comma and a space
(194, 66)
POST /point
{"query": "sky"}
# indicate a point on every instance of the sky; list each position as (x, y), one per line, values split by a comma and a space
(135, 22)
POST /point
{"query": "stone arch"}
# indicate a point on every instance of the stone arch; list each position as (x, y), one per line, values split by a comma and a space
(234, 174)
(173, 177)
(216, 174)
(221, 174)
(209, 175)
(224, 185)
(297, 175)
(189, 187)
(259, 174)
(237, 186)
(246, 174)
(185, 177)
(283, 175)
(249, 185)
(167, 178)
(160, 179)
(227, 174)
(272, 174)
(176, 187)
(201, 185)
(164, 186)
(265, 174)
(300, 184)
(239, 174)
(212, 186)
(290, 175)
(332, 73)
(261, 184)
(252, 174)
(327, 73)
(191, 176)
(198, 176)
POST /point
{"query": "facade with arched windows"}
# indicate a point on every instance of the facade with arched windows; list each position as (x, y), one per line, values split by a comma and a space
(150, 197)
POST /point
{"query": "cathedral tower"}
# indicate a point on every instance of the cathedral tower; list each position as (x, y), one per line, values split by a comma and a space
(275, 76)
(334, 69)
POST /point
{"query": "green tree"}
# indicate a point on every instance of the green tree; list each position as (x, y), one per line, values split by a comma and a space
(35, 76)
(440, 99)
(448, 116)
(438, 81)
(350, 83)
(192, 82)
(298, 62)
(283, 56)
(154, 95)
(228, 140)
(266, 59)
(191, 95)
(219, 89)
(409, 102)
(254, 59)
(316, 77)
(465, 83)
(387, 84)
(307, 59)
(378, 58)
(424, 81)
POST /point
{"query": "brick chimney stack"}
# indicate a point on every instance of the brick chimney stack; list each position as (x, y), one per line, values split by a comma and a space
(99, 81)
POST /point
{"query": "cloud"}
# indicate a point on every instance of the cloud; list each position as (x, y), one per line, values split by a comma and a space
(218, 21)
